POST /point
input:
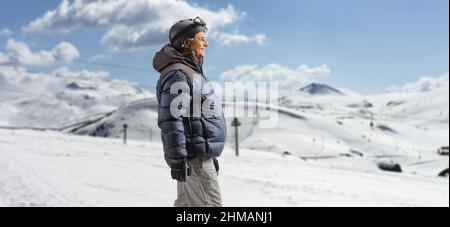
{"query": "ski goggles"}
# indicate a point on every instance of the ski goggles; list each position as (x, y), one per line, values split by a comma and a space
(198, 21)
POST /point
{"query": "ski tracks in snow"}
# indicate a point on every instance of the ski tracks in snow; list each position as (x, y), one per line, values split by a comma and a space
(20, 187)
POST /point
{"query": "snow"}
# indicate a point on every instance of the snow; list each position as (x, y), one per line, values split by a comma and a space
(408, 129)
(320, 89)
(140, 116)
(35, 100)
(55, 169)
(338, 137)
(323, 139)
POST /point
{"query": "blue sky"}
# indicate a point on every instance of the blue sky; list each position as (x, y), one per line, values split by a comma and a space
(368, 45)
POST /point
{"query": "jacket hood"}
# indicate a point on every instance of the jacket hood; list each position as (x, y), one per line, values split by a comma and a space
(169, 55)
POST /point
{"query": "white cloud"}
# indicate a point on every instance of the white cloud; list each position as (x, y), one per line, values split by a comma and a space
(24, 83)
(424, 84)
(4, 59)
(236, 39)
(20, 80)
(5, 32)
(19, 53)
(65, 52)
(23, 77)
(288, 79)
(131, 24)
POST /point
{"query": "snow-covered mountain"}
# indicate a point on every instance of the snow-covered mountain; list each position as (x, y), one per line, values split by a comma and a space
(400, 125)
(320, 89)
(422, 109)
(140, 116)
(426, 110)
(319, 123)
(38, 100)
(320, 130)
(346, 142)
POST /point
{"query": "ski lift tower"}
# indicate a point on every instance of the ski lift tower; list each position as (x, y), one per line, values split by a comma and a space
(235, 123)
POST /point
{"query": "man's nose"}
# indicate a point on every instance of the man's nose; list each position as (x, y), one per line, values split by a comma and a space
(206, 43)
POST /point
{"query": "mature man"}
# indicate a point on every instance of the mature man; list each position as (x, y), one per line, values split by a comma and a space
(193, 129)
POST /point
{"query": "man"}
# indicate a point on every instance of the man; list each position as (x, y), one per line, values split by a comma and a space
(193, 139)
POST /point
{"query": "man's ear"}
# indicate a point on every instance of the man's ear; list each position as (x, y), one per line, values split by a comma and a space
(186, 44)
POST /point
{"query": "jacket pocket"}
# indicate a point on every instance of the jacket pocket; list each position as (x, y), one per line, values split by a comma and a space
(215, 129)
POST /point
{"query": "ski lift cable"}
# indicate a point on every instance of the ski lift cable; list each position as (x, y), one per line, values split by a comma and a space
(113, 65)
(82, 61)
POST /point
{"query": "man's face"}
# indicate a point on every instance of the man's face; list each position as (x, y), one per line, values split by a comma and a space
(198, 45)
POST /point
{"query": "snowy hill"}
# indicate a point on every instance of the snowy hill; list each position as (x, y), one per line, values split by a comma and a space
(426, 110)
(35, 100)
(318, 124)
(346, 143)
(320, 89)
(140, 116)
(35, 171)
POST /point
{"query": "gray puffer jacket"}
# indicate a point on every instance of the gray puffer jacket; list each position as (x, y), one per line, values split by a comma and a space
(201, 135)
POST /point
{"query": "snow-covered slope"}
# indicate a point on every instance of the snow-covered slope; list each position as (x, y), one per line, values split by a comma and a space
(405, 128)
(319, 122)
(140, 116)
(35, 171)
(320, 89)
(427, 110)
(342, 140)
(36, 100)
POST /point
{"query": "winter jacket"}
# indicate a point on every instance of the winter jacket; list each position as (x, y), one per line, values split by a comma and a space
(200, 134)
